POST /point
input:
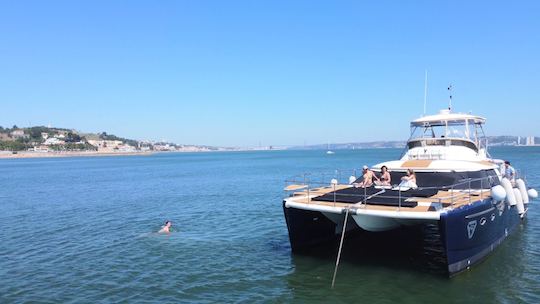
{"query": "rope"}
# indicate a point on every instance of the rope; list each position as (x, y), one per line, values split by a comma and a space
(340, 247)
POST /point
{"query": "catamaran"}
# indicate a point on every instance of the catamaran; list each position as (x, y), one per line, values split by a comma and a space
(459, 189)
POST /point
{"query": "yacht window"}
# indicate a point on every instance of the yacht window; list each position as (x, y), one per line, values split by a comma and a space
(441, 142)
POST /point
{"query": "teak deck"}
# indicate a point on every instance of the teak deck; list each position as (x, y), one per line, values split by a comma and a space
(445, 198)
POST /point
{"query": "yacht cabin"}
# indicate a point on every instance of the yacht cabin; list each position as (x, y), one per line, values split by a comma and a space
(447, 136)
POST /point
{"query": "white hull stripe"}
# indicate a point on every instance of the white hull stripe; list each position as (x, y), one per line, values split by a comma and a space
(412, 215)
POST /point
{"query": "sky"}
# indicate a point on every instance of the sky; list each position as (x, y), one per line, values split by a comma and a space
(249, 73)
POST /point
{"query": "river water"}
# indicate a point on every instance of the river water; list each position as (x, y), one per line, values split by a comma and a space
(83, 230)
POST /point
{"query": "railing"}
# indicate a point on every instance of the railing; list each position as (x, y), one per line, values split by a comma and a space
(456, 190)
(324, 178)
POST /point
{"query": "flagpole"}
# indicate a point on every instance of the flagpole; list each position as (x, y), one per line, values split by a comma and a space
(425, 93)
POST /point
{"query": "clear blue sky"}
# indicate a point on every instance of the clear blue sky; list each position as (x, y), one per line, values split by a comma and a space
(275, 72)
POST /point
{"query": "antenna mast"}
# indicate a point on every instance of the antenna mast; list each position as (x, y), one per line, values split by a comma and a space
(425, 93)
(450, 102)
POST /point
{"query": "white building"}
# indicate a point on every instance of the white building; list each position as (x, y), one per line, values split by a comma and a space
(40, 149)
(126, 148)
(164, 147)
(106, 145)
(53, 141)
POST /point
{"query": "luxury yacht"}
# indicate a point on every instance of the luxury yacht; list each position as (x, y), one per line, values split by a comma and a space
(459, 189)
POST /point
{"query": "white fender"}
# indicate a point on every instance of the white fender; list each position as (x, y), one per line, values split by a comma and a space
(532, 193)
(521, 186)
(510, 197)
(498, 193)
(519, 201)
(352, 178)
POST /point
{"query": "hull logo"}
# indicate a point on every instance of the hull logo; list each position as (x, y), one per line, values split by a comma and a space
(500, 207)
(471, 227)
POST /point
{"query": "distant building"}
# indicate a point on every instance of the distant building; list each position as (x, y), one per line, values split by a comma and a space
(126, 148)
(160, 147)
(44, 135)
(18, 134)
(164, 147)
(106, 145)
(41, 148)
(53, 141)
(530, 141)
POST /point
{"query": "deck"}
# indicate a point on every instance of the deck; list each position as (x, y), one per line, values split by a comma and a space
(441, 199)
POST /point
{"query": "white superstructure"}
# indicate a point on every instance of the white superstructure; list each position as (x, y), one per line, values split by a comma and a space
(447, 136)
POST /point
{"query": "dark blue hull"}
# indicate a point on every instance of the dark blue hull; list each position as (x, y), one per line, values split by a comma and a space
(471, 232)
(467, 234)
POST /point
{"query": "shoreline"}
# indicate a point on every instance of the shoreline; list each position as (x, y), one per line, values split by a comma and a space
(28, 154)
(31, 154)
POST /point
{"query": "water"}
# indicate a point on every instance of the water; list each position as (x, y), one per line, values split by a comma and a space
(83, 230)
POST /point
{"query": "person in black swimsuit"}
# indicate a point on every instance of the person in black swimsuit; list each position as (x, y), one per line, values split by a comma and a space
(385, 179)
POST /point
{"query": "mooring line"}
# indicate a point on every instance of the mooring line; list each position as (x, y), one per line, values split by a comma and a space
(340, 246)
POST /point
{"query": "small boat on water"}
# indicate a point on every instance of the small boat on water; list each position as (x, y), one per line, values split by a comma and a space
(459, 189)
(328, 151)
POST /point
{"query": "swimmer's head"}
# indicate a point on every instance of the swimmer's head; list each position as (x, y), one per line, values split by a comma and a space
(168, 223)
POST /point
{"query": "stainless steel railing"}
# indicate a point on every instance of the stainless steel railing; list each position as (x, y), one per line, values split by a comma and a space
(456, 190)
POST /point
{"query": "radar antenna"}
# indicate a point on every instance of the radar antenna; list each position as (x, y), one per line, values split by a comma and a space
(450, 101)
(425, 93)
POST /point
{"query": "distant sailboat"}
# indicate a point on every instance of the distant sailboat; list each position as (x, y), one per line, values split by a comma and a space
(328, 151)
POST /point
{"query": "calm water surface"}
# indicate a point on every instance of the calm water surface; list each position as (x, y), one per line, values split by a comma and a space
(83, 230)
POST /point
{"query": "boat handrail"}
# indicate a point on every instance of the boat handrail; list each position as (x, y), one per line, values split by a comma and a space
(305, 179)
(454, 189)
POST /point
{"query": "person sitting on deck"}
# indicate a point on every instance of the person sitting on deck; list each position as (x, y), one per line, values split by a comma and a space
(368, 176)
(409, 180)
(385, 179)
(509, 172)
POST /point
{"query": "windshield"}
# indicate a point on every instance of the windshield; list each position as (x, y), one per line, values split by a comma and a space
(441, 132)
(463, 131)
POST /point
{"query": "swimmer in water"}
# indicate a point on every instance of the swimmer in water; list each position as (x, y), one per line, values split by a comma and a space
(166, 228)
